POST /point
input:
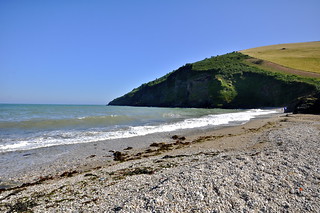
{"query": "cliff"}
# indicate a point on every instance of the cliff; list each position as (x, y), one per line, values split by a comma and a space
(226, 81)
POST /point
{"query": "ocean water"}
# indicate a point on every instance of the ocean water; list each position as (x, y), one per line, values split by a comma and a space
(25, 127)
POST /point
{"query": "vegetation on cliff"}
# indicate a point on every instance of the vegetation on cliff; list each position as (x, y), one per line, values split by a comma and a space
(227, 81)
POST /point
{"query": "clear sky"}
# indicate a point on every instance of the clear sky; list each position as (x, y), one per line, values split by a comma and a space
(92, 51)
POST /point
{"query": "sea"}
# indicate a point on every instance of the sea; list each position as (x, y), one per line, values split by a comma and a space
(32, 126)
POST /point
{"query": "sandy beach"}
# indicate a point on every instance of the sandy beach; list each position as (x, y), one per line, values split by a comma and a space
(266, 165)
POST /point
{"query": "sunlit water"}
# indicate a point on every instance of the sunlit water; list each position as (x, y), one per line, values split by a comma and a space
(24, 127)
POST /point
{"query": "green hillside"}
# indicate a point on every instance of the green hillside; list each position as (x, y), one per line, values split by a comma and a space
(226, 81)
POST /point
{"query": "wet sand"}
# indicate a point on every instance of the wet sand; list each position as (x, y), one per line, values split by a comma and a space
(28, 165)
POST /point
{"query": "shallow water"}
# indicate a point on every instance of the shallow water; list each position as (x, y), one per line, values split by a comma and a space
(25, 127)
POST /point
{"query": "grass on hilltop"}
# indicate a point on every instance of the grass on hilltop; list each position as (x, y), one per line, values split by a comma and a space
(300, 56)
(225, 67)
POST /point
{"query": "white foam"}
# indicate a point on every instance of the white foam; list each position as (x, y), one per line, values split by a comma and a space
(72, 137)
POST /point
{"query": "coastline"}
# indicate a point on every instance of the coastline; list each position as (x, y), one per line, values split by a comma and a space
(270, 155)
(26, 165)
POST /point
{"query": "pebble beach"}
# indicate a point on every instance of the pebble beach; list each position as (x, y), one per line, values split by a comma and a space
(266, 165)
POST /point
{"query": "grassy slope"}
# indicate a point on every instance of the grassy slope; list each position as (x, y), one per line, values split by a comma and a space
(300, 56)
(223, 81)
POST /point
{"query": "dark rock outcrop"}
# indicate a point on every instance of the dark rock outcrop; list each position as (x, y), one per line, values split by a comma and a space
(307, 105)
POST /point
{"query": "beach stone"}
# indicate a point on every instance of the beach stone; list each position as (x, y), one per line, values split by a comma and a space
(118, 156)
(128, 148)
(175, 137)
(170, 196)
(117, 209)
(182, 138)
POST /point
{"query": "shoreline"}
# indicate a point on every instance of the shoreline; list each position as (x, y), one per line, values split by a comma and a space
(265, 140)
(26, 165)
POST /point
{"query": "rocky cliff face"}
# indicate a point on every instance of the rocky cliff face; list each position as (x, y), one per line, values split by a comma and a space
(307, 105)
(224, 82)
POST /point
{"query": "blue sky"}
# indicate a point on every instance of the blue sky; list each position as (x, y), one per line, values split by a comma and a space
(90, 52)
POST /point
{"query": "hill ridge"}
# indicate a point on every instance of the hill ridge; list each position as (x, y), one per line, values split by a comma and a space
(232, 80)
